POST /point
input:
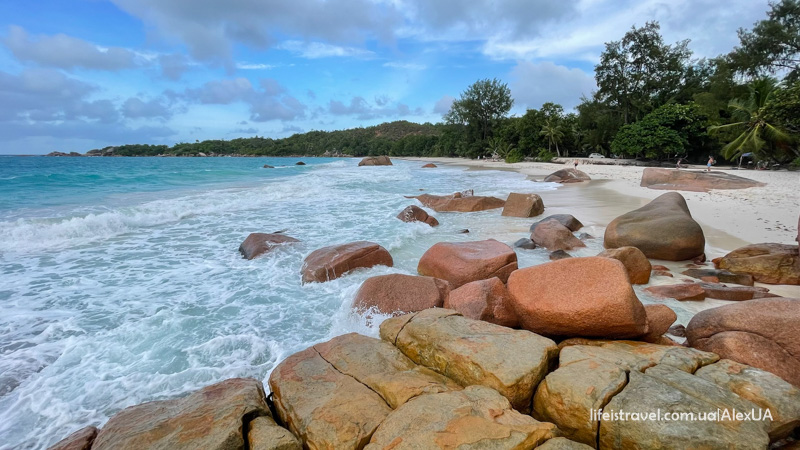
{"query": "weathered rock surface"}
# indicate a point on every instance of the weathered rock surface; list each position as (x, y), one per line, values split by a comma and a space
(383, 368)
(767, 263)
(588, 297)
(735, 293)
(523, 205)
(636, 264)
(561, 443)
(645, 394)
(683, 291)
(722, 276)
(459, 203)
(429, 166)
(414, 213)
(329, 263)
(477, 417)
(397, 293)
(322, 406)
(265, 434)
(762, 388)
(486, 300)
(567, 176)
(525, 243)
(473, 352)
(659, 319)
(662, 229)
(79, 440)
(462, 262)
(299, 163)
(566, 396)
(693, 180)
(559, 254)
(634, 355)
(375, 161)
(761, 333)
(551, 235)
(211, 418)
(259, 243)
(568, 220)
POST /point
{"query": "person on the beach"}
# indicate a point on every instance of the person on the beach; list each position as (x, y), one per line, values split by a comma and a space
(575, 163)
(678, 164)
(709, 163)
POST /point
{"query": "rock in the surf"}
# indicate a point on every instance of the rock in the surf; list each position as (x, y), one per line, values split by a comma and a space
(329, 263)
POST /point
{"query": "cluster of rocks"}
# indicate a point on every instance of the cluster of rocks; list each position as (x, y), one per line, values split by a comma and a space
(436, 379)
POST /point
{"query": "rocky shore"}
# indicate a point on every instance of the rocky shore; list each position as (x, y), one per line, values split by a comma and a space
(480, 353)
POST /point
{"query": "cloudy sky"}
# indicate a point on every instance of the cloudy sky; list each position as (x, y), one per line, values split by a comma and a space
(83, 74)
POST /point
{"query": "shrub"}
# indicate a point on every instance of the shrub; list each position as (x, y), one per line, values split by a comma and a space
(545, 155)
(514, 156)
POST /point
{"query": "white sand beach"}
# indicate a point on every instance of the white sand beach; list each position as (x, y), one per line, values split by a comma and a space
(730, 218)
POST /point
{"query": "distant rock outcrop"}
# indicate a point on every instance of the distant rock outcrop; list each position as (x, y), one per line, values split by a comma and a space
(567, 176)
(661, 229)
(329, 263)
(429, 166)
(375, 161)
(693, 180)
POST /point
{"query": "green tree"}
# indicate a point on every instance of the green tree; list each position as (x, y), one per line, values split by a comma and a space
(773, 45)
(751, 130)
(670, 130)
(640, 73)
(552, 132)
(481, 107)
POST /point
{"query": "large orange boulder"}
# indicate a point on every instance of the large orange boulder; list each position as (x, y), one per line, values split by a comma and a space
(761, 333)
(397, 293)
(661, 229)
(459, 202)
(462, 262)
(375, 161)
(636, 264)
(567, 176)
(767, 263)
(259, 243)
(552, 235)
(79, 440)
(578, 297)
(414, 213)
(329, 263)
(486, 300)
(523, 205)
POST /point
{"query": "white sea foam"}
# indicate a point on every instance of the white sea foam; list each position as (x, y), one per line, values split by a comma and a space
(150, 298)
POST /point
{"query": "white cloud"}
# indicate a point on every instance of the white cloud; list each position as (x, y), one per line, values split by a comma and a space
(533, 84)
(269, 103)
(66, 52)
(314, 50)
(249, 66)
(363, 110)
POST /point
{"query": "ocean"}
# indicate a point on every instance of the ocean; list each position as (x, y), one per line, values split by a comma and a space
(120, 279)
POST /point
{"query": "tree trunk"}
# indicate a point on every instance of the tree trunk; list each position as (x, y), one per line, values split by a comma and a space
(558, 153)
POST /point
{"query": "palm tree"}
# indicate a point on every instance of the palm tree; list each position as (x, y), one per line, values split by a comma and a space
(498, 147)
(553, 134)
(750, 116)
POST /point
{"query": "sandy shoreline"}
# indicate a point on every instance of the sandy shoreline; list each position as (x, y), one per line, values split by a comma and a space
(730, 218)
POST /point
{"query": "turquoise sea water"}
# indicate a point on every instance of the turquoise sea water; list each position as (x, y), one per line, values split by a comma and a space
(120, 280)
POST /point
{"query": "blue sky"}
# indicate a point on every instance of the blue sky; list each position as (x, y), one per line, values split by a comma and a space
(83, 74)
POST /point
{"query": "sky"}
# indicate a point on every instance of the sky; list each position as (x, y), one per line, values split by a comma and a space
(82, 74)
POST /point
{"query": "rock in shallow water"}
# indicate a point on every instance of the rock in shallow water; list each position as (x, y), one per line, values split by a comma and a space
(462, 262)
(767, 263)
(329, 263)
(523, 205)
(257, 244)
(397, 293)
